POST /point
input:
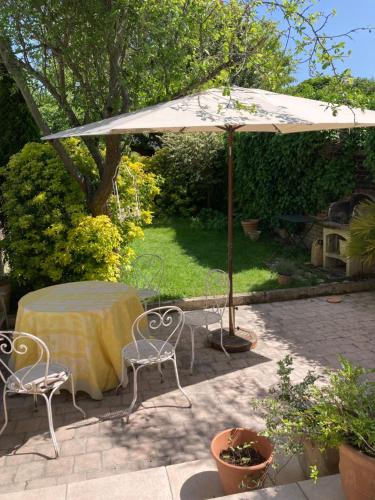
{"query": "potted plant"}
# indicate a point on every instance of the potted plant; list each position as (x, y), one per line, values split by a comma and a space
(249, 226)
(292, 428)
(285, 270)
(242, 458)
(345, 410)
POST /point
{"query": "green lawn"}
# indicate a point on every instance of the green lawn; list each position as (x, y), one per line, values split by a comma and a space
(189, 251)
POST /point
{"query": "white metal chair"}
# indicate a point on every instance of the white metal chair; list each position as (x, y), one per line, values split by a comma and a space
(43, 378)
(146, 350)
(148, 270)
(217, 287)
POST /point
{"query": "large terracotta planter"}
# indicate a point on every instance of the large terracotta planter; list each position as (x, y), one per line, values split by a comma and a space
(327, 461)
(357, 474)
(249, 226)
(233, 476)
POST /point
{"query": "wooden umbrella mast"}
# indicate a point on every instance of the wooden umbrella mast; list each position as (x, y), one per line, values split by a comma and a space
(235, 338)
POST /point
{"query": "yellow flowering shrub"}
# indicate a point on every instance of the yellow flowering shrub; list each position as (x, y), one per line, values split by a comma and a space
(50, 237)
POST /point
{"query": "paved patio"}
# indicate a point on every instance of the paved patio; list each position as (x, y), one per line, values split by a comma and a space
(162, 432)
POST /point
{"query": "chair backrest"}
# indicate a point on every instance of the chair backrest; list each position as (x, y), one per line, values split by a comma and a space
(22, 344)
(217, 290)
(148, 270)
(166, 322)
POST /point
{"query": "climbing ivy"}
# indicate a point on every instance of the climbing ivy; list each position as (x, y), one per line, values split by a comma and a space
(297, 173)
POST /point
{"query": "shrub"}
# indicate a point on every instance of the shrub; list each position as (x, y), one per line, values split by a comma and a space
(192, 171)
(362, 233)
(49, 236)
(296, 173)
(93, 246)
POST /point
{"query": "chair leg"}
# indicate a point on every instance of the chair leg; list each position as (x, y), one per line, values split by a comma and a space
(50, 421)
(135, 390)
(74, 397)
(192, 332)
(178, 380)
(35, 397)
(123, 371)
(221, 340)
(161, 373)
(5, 410)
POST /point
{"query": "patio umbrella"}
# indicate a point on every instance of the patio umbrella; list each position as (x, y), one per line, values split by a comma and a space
(230, 110)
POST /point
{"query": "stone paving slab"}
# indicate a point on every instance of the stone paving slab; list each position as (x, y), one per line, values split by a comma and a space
(287, 492)
(190, 481)
(163, 431)
(327, 488)
(196, 480)
(151, 484)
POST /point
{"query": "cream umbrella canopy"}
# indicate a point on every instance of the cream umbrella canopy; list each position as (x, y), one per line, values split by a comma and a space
(231, 110)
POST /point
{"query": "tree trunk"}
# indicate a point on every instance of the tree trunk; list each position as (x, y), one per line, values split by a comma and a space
(98, 201)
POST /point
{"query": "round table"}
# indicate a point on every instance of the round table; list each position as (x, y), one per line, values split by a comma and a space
(85, 326)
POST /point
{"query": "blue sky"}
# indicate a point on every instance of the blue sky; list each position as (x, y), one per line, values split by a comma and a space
(351, 14)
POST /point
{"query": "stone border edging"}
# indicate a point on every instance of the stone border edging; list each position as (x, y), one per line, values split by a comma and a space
(278, 295)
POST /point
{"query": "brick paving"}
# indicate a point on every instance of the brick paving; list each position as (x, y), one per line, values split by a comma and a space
(163, 431)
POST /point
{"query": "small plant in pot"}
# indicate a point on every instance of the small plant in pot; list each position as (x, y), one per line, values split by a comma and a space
(285, 270)
(291, 426)
(242, 458)
(345, 411)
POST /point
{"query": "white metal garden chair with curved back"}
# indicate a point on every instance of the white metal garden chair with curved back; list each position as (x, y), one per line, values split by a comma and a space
(43, 378)
(217, 287)
(148, 271)
(146, 349)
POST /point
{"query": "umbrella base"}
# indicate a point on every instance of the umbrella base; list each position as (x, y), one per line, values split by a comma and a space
(243, 340)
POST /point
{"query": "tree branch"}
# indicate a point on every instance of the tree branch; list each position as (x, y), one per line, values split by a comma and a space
(12, 67)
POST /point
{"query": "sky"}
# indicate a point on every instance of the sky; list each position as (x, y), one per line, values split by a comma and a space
(351, 14)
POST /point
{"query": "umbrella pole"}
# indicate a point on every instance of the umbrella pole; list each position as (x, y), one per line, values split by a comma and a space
(232, 339)
(232, 324)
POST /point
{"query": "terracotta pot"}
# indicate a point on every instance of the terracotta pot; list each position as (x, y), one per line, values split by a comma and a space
(284, 279)
(254, 235)
(6, 290)
(249, 225)
(233, 476)
(326, 461)
(357, 474)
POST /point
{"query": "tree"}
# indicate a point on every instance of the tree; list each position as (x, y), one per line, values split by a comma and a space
(114, 56)
(16, 126)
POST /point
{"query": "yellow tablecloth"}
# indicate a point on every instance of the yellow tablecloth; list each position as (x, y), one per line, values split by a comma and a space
(85, 325)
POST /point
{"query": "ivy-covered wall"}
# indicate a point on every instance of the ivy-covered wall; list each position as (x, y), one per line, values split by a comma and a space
(304, 173)
(297, 173)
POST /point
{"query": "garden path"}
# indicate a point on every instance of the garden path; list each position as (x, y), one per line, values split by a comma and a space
(162, 432)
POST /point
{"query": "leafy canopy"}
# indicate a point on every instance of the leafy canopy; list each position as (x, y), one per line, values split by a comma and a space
(77, 64)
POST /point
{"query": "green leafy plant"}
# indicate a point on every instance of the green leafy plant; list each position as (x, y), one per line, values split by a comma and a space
(284, 267)
(340, 410)
(49, 235)
(210, 219)
(362, 233)
(192, 168)
(344, 408)
(285, 409)
(269, 167)
(242, 455)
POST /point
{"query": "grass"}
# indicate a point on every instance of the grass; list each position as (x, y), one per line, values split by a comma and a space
(190, 251)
